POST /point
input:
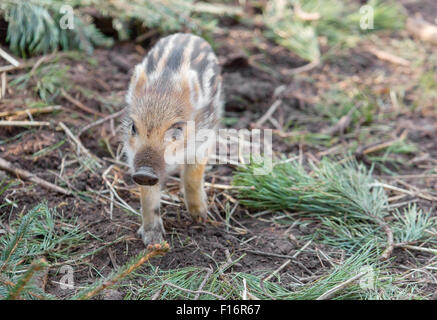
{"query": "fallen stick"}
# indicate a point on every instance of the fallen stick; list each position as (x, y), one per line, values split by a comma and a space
(374, 148)
(79, 146)
(3, 88)
(114, 192)
(9, 58)
(341, 125)
(246, 295)
(269, 112)
(226, 187)
(23, 174)
(169, 284)
(407, 246)
(407, 192)
(390, 243)
(305, 16)
(304, 68)
(12, 68)
(147, 35)
(287, 262)
(217, 9)
(389, 57)
(208, 275)
(330, 293)
(30, 63)
(6, 123)
(80, 105)
(14, 114)
(410, 176)
(100, 121)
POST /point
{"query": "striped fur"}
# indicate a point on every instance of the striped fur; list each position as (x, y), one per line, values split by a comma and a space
(178, 80)
(177, 63)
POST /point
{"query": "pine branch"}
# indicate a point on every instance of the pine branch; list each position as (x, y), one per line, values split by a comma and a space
(22, 230)
(135, 263)
(33, 27)
(344, 197)
(15, 291)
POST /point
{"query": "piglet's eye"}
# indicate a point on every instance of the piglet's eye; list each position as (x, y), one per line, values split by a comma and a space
(174, 134)
(133, 129)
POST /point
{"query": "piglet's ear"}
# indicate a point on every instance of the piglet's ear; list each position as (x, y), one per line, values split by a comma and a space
(141, 80)
(137, 84)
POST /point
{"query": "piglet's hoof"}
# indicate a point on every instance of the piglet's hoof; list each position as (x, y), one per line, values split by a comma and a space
(198, 211)
(152, 234)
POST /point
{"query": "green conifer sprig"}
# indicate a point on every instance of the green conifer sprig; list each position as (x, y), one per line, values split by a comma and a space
(33, 27)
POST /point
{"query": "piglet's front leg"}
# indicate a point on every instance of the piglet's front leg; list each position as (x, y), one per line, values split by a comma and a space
(195, 197)
(152, 229)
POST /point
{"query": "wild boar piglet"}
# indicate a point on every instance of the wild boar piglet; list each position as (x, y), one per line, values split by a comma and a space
(173, 93)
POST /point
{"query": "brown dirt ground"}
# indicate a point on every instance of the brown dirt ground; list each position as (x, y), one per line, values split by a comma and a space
(248, 91)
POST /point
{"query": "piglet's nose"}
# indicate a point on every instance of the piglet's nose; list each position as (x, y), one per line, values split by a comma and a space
(145, 176)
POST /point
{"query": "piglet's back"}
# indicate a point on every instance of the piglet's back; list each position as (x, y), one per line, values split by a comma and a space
(185, 62)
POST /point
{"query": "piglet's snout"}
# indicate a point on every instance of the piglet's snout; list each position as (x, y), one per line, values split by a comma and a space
(145, 176)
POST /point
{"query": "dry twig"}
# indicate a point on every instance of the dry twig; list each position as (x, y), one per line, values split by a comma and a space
(287, 261)
(17, 114)
(305, 16)
(387, 56)
(330, 293)
(80, 105)
(100, 121)
(23, 174)
(6, 123)
(79, 145)
(9, 58)
(269, 112)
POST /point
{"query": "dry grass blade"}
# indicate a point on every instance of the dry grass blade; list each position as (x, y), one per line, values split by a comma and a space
(7, 166)
(80, 105)
(3, 86)
(269, 112)
(9, 58)
(24, 123)
(193, 291)
(329, 294)
(389, 57)
(100, 121)
(79, 145)
(287, 262)
(114, 192)
(17, 114)
(217, 8)
(390, 244)
(205, 280)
